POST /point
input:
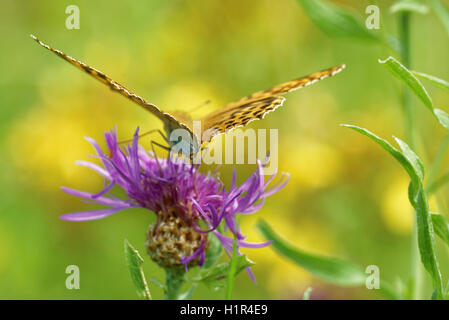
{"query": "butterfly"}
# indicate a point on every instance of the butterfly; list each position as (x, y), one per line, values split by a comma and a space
(235, 114)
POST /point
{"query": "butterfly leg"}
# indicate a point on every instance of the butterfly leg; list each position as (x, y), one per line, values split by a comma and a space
(266, 160)
(154, 143)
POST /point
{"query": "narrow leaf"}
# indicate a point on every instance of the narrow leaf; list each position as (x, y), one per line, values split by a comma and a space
(186, 295)
(442, 117)
(390, 149)
(412, 82)
(158, 283)
(330, 269)
(336, 21)
(214, 251)
(411, 156)
(408, 78)
(443, 84)
(134, 262)
(215, 277)
(441, 226)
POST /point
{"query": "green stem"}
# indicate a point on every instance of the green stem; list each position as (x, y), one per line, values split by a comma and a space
(416, 268)
(404, 38)
(232, 271)
(174, 279)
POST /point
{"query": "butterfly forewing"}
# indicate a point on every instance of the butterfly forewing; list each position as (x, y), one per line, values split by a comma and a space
(168, 119)
(256, 105)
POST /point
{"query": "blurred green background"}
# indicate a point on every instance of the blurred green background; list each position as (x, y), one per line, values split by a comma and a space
(346, 196)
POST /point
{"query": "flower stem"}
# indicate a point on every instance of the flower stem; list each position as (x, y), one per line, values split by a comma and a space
(232, 271)
(416, 267)
(404, 39)
(174, 279)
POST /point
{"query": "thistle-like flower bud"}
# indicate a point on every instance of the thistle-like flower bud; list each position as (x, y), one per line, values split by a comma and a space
(173, 239)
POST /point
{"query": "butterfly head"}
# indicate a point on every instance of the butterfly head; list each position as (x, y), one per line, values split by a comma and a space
(183, 142)
(180, 136)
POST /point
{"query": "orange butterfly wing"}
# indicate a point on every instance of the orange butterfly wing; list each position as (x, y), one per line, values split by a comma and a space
(256, 105)
(169, 120)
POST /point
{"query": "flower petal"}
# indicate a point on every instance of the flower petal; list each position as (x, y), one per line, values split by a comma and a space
(90, 215)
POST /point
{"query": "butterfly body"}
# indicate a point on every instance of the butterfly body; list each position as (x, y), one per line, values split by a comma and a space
(178, 126)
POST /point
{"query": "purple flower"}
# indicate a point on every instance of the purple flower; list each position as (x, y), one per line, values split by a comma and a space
(187, 203)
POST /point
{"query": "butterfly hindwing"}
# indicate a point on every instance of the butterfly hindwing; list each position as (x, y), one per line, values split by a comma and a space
(256, 105)
(239, 115)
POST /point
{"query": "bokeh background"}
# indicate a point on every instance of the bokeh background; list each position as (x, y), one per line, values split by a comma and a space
(346, 197)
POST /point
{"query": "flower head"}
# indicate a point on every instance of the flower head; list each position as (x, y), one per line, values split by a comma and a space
(188, 204)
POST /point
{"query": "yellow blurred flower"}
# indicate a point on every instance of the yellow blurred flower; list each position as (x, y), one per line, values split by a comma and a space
(397, 213)
(311, 164)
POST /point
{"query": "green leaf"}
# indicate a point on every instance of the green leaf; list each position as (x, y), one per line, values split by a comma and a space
(232, 270)
(442, 11)
(335, 21)
(443, 84)
(215, 277)
(333, 270)
(390, 149)
(426, 241)
(412, 157)
(214, 251)
(186, 295)
(442, 117)
(407, 77)
(330, 269)
(134, 262)
(426, 238)
(409, 6)
(441, 226)
(307, 293)
(158, 283)
(412, 82)
(413, 190)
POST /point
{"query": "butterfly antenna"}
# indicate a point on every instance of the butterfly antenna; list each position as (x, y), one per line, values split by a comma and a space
(205, 103)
